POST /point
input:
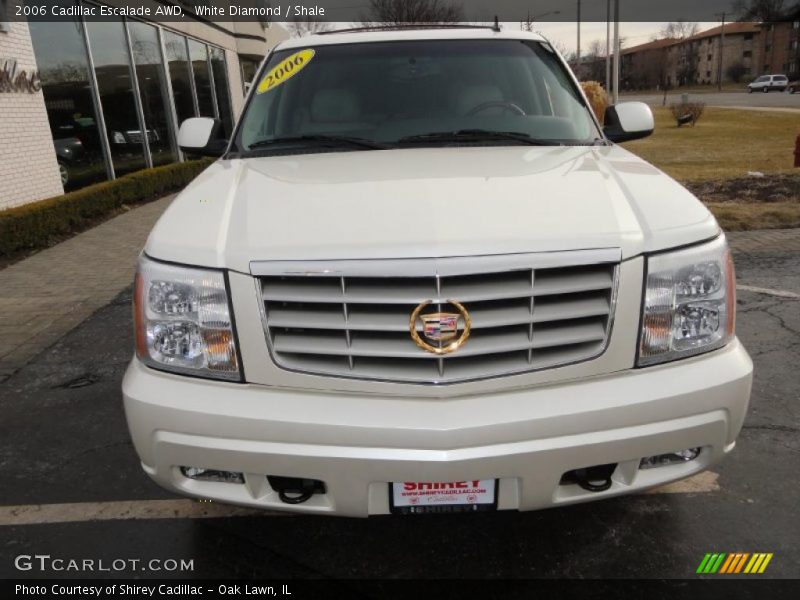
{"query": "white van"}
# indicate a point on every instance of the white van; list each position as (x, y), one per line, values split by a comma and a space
(767, 83)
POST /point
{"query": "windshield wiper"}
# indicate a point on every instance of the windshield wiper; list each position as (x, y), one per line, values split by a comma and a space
(476, 135)
(327, 140)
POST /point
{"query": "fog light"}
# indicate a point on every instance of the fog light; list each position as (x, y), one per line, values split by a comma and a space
(663, 460)
(212, 475)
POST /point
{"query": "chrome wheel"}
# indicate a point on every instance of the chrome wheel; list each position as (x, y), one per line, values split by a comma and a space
(64, 173)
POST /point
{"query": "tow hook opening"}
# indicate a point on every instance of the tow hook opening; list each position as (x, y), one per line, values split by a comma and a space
(596, 478)
(295, 490)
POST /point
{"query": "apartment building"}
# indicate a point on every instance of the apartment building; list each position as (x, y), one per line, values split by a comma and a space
(700, 59)
(737, 58)
(649, 65)
(780, 47)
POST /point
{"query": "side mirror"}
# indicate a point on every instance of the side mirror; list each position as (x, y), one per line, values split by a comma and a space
(628, 121)
(201, 135)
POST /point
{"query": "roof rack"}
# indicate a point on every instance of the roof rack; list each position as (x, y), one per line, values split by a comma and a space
(368, 28)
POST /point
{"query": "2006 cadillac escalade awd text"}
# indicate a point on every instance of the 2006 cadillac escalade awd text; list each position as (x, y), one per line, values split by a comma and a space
(423, 278)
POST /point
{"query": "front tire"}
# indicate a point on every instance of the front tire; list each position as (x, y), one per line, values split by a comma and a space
(63, 172)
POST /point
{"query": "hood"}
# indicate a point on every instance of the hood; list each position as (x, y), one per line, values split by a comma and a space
(429, 202)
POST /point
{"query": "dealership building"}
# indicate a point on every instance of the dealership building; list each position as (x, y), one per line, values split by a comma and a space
(83, 100)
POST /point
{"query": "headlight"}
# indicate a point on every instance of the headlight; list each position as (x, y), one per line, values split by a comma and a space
(690, 303)
(183, 321)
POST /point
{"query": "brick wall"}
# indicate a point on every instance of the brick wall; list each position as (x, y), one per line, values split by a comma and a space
(28, 167)
(739, 48)
(780, 48)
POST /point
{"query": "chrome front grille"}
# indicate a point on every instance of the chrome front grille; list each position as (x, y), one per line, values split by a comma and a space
(351, 318)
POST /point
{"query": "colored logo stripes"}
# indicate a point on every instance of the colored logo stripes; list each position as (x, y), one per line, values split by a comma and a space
(735, 562)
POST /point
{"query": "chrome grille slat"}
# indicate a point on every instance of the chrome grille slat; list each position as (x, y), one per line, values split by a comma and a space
(397, 345)
(482, 318)
(331, 322)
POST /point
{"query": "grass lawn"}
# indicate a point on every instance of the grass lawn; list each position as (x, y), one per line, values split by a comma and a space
(725, 143)
(714, 157)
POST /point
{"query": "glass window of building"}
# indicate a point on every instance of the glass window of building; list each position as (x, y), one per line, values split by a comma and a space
(64, 67)
(180, 74)
(249, 68)
(219, 68)
(115, 86)
(153, 91)
(198, 53)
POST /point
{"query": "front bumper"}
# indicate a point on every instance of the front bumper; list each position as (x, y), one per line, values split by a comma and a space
(356, 444)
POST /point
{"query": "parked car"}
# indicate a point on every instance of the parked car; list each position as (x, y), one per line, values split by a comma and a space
(69, 152)
(422, 277)
(794, 86)
(768, 83)
(132, 139)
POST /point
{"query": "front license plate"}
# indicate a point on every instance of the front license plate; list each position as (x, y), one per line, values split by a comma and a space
(416, 497)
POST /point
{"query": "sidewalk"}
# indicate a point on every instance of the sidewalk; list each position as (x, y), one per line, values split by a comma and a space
(45, 296)
(763, 108)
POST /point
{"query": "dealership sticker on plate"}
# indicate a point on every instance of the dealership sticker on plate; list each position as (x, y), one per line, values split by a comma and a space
(285, 70)
(453, 493)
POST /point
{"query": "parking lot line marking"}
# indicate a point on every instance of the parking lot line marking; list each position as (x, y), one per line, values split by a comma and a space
(121, 510)
(33, 514)
(769, 292)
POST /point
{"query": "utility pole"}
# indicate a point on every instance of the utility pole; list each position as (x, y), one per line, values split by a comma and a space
(721, 48)
(578, 54)
(608, 46)
(527, 24)
(616, 51)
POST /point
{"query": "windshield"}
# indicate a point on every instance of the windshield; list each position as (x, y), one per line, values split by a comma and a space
(377, 95)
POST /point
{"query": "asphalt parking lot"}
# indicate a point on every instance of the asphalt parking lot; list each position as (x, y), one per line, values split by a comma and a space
(772, 100)
(64, 440)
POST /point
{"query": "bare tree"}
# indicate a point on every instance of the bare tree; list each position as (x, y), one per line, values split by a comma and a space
(597, 49)
(63, 72)
(401, 12)
(563, 50)
(687, 61)
(300, 28)
(527, 24)
(760, 10)
(736, 71)
(593, 63)
(679, 30)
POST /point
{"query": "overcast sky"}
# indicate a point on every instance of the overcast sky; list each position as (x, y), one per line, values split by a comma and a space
(565, 33)
(633, 33)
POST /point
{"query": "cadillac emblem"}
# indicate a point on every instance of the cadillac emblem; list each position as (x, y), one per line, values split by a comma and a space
(440, 330)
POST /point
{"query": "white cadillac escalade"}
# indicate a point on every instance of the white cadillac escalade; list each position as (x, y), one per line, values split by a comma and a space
(422, 277)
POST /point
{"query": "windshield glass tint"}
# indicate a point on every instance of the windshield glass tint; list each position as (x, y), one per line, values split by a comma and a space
(389, 91)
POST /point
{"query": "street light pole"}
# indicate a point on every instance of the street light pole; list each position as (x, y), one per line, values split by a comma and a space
(528, 24)
(721, 48)
(616, 51)
(608, 45)
(578, 55)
